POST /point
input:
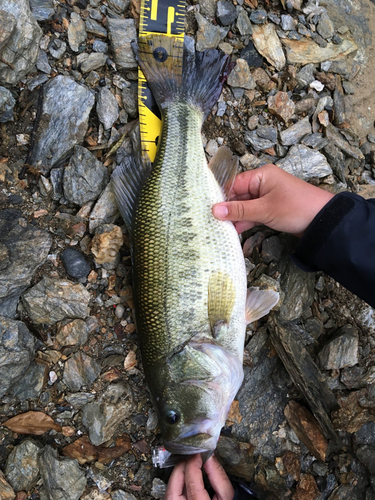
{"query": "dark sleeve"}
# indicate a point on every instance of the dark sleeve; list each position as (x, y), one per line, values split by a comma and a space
(341, 242)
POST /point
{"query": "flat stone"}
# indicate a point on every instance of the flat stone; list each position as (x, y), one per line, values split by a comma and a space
(305, 75)
(366, 454)
(95, 60)
(281, 106)
(305, 163)
(298, 287)
(85, 177)
(240, 76)
(75, 263)
(236, 456)
(251, 56)
(243, 22)
(42, 63)
(208, 8)
(121, 33)
(23, 249)
(306, 51)
(19, 42)
(64, 121)
(258, 16)
(7, 103)
(99, 46)
(262, 80)
(33, 83)
(62, 478)
(72, 332)
(105, 210)
(119, 6)
(208, 36)
(338, 140)
(80, 370)
(258, 142)
(102, 419)
(107, 108)
(268, 44)
(226, 12)
(6, 491)
(57, 48)
(52, 300)
(341, 351)
(43, 10)
(80, 399)
(325, 27)
(130, 99)
(31, 384)
(95, 28)
(76, 32)
(296, 132)
(106, 244)
(306, 488)
(288, 23)
(271, 249)
(17, 348)
(22, 468)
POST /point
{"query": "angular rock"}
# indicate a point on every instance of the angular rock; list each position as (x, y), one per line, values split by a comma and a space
(243, 22)
(288, 23)
(118, 6)
(226, 12)
(123, 495)
(252, 56)
(281, 106)
(50, 301)
(305, 75)
(42, 63)
(31, 384)
(208, 35)
(95, 28)
(72, 332)
(305, 163)
(85, 177)
(22, 468)
(263, 80)
(57, 48)
(62, 477)
(6, 491)
(76, 31)
(333, 135)
(325, 27)
(258, 16)
(95, 60)
(299, 292)
(260, 140)
(80, 399)
(23, 250)
(316, 141)
(80, 370)
(366, 454)
(341, 351)
(107, 108)
(106, 244)
(306, 51)
(271, 249)
(7, 103)
(19, 45)
(121, 33)
(105, 210)
(237, 457)
(102, 420)
(240, 76)
(17, 348)
(64, 121)
(268, 44)
(130, 100)
(306, 488)
(296, 132)
(208, 8)
(42, 10)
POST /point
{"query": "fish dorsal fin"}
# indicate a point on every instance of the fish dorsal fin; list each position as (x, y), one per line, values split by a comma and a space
(127, 181)
(259, 303)
(221, 298)
(224, 166)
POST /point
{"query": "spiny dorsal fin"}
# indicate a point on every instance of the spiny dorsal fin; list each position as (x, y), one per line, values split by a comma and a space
(259, 303)
(221, 298)
(224, 166)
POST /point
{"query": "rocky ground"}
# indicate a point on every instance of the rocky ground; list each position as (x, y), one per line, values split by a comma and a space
(77, 421)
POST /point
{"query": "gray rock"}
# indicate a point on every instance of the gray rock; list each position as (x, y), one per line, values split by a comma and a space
(95, 28)
(336, 159)
(31, 384)
(107, 108)
(75, 263)
(334, 136)
(19, 40)
(72, 332)
(23, 249)
(207, 8)
(348, 87)
(42, 63)
(95, 14)
(80, 370)
(95, 60)
(315, 141)
(123, 495)
(243, 22)
(57, 48)
(22, 468)
(76, 31)
(251, 55)
(102, 419)
(33, 83)
(17, 348)
(65, 114)
(7, 103)
(298, 287)
(296, 132)
(208, 36)
(92, 79)
(305, 75)
(258, 16)
(271, 249)
(325, 27)
(56, 177)
(305, 163)
(85, 177)
(105, 210)
(366, 454)
(80, 399)
(42, 10)
(158, 489)
(119, 6)
(261, 138)
(288, 23)
(240, 76)
(226, 12)
(99, 46)
(121, 33)
(130, 100)
(365, 435)
(62, 477)
(51, 301)
(341, 351)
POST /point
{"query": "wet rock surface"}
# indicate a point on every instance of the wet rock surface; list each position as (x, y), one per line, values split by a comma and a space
(302, 424)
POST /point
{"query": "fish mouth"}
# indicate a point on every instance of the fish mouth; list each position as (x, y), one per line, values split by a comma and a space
(191, 445)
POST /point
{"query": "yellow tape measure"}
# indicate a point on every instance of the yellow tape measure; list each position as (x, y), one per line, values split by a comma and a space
(157, 16)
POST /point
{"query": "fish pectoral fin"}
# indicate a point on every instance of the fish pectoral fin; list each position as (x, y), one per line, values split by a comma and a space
(259, 303)
(127, 182)
(224, 166)
(221, 298)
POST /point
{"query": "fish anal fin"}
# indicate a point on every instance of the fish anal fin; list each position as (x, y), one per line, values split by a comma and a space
(224, 166)
(221, 299)
(259, 303)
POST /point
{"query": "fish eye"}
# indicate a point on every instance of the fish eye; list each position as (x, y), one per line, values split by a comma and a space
(172, 417)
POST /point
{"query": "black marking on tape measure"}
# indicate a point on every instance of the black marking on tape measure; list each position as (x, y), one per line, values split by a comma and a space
(160, 54)
(149, 101)
(159, 9)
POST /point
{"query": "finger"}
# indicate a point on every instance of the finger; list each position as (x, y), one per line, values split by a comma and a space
(243, 226)
(248, 210)
(176, 483)
(242, 182)
(219, 479)
(195, 489)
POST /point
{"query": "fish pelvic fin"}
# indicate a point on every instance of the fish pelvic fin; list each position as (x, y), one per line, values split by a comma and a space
(174, 70)
(224, 166)
(221, 299)
(127, 181)
(259, 303)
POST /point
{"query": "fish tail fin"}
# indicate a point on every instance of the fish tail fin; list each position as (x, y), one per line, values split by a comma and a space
(173, 70)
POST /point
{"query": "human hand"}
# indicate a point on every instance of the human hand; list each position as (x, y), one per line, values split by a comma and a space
(186, 481)
(270, 196)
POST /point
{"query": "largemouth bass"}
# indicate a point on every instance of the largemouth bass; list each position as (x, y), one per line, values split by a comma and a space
(188, 268)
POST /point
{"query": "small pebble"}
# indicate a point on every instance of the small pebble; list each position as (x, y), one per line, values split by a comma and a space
(75, 264)
(119, 311)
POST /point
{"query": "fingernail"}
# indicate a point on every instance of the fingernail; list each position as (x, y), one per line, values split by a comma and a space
(220, 211)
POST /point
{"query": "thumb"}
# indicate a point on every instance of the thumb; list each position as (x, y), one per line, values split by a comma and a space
(246, 210)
